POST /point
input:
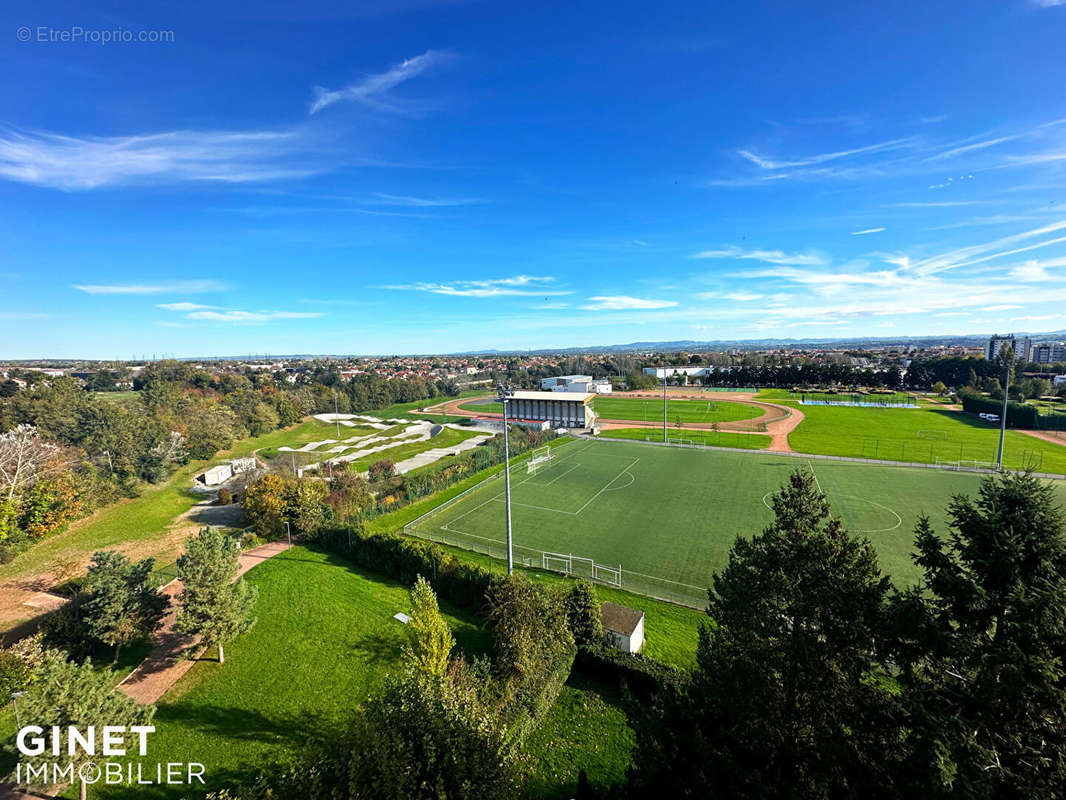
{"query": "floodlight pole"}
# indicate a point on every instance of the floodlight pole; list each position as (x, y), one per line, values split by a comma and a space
(664, 405)
(1003, 416)
(15, 702)
(504, 395)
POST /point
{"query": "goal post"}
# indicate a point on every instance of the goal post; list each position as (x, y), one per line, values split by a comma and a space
(540, 457)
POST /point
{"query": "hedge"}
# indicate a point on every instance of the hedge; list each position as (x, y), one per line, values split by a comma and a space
(1019, 415)
(533, 702)
(641, 675)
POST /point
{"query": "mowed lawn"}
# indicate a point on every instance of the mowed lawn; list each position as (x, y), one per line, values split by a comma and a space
(324, 640)
(919, 434)
(449, 437)
(670, 515)
(744, 441)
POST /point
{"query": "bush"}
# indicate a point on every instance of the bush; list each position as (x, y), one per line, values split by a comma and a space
(583, 613)
(65, 629)
(225, 497)
(1019, 415)
(641, 675)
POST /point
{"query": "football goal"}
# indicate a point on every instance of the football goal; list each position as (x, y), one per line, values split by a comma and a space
(934, 434)
(541, 458)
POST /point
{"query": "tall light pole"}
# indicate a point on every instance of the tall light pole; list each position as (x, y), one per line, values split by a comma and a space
(664, 405)
(504, 392)
(1008, 360)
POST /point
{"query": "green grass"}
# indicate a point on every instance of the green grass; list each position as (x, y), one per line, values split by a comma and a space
(670, 515)
(449, 437)
(406, 410)
(893, 434)
(746, 441)
(651, 410)
(324, 640)
(587, 729)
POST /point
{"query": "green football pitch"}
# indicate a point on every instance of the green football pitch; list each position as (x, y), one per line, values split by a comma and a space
(668, 516)
(650, 409)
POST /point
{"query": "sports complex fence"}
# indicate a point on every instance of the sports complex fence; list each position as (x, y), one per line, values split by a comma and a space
(896, 400)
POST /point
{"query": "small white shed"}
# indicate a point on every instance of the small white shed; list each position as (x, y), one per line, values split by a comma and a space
(217, 475)
(623, 627)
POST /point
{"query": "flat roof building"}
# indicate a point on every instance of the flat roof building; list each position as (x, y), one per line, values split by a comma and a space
(561, 409)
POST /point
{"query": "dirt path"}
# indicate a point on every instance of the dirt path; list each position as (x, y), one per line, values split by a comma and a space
(1055, 437)
(163, 668)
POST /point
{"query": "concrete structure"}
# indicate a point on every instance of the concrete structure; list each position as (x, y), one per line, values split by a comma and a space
(676, 372)
(623, 627)
(223, 472)
(1049, 352)
(1022, 346)
(576, 383)
(560, 409)
(1059, 380)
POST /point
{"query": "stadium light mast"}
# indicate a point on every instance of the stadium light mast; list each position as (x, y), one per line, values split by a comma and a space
(664, 405)
(504, 393)
(1008, 360)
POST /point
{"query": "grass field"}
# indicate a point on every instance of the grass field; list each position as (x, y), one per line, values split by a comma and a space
(299, 674)
(744, 441)
(670, 515)
(921, 435)
(650, 410)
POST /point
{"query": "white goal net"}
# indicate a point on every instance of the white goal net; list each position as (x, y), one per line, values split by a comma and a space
(540, 459)
(580, 567)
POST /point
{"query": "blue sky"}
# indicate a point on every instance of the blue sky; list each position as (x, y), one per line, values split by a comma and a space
(421, 176)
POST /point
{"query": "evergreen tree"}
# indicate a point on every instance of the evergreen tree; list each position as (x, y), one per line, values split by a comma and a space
(983, 654)
(77, 694)
(123, 606)
(787, 698)
(213, 603)
(583, 613)
(429, 639)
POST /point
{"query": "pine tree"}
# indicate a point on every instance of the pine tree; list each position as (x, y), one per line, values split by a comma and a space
(984, 646)
(214, 604)
(429, 639)
(77, 694)
(123, 606)
(787, 697)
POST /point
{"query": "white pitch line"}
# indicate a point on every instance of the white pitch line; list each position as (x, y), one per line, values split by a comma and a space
(612, 480)
(815, 474)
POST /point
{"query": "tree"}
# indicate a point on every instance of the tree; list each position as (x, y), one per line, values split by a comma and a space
(429, 639)
(940, 388)
(583, 613)
(380, 470)
(983, 645)
(66, 694)
(24, 458)
(786, 699)
(123, 606)
(265, 505)
(214, 603)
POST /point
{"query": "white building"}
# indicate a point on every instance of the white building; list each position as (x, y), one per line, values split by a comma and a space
(576, 383)
(561, 409)
(1022, 346)
(675, 372)
(623, 627)
(1059, 380)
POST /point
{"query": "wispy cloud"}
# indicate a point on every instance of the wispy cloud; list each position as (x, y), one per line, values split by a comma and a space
(183, 306)
(866, 231)
(424, 202)
(251, 316)
(174, 287)
(374, 91)
(75, 163)
(517, 286)
(22, 315)
(768, 256)
(1049, 3)
(620, 302)
(806, 161)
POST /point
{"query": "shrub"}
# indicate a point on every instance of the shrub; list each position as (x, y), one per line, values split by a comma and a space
(641, 675)
(225, 497)
(583, 613)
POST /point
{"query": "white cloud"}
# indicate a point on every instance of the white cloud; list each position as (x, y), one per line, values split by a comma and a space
(22, 315)
(769, 163)
(768, 256)
(1049, 3)
(373, 90)
(866, 231)
(175, 287)
(183, 306)
(251, 316)
(75, 163)
(743, 297)
(1002, 307)
(621, 302)
(518, 286)
(970, 147)
(423, 202)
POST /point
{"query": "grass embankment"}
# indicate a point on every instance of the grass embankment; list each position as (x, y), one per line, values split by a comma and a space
(920, 435)
(745, 441)
(449, 437)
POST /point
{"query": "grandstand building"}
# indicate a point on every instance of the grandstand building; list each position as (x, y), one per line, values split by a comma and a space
(560, 409)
